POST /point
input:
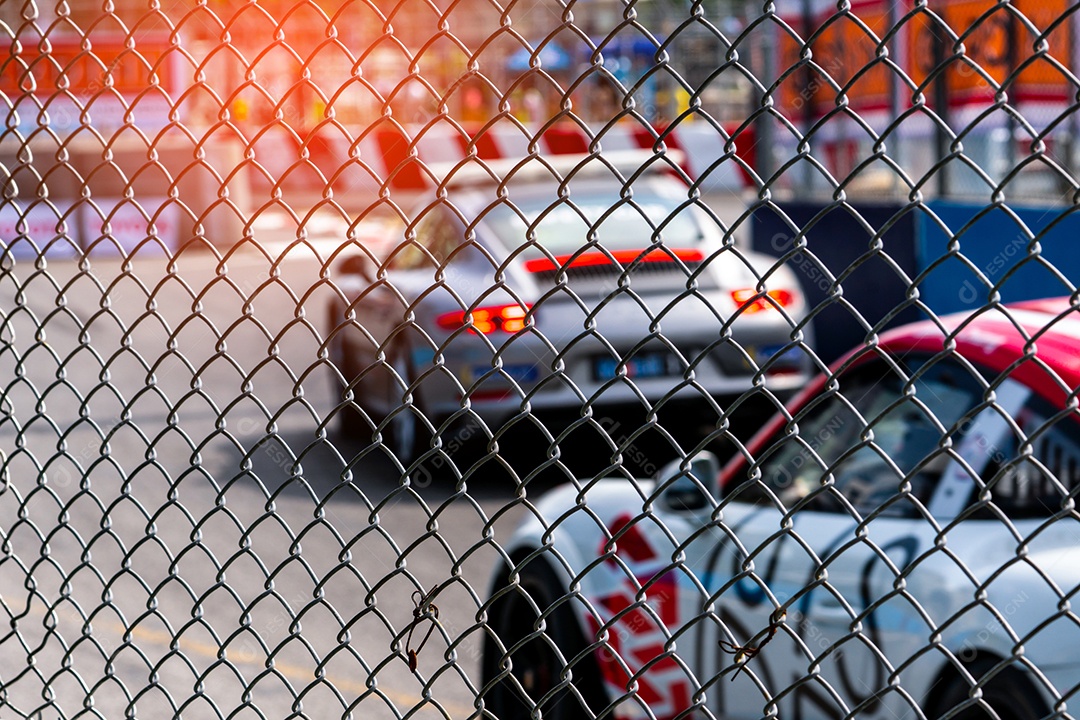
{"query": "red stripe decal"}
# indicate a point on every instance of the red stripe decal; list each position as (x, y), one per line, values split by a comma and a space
(622, 257)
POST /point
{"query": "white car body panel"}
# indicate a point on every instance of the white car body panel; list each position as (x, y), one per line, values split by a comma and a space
(580, 318)
(690, 586)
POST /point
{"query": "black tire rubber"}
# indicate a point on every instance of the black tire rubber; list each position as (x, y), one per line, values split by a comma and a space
(404, 435)
(1009, 693)
(535, 667)
(350, 421)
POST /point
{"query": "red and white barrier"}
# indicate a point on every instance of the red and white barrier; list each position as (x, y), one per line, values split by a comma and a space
(401, 159)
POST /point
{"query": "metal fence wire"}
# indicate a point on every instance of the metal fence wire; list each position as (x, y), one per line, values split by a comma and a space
(611, 359)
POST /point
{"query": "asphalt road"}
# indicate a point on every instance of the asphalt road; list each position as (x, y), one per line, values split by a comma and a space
(184, 532)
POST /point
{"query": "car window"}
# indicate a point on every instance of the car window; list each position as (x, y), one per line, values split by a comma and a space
(1038, 483)
(876, 443)
(565, 226)
(438, 234)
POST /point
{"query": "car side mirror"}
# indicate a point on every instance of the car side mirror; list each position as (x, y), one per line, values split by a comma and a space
(360, 265)
(690, 483)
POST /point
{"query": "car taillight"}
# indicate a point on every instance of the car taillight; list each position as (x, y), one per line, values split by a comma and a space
(750, 300)
(486, 320)
(622, 257)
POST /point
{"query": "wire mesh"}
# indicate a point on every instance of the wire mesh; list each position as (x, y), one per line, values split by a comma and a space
(652, 359)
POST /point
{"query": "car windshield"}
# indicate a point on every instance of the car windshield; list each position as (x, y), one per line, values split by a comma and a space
(565, 226)
(875, 443)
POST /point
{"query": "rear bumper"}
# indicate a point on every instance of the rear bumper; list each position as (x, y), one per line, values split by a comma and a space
(498, 398)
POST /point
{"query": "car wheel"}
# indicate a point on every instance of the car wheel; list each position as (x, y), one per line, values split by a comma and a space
(1009, 694)
(535, 670)
(403, 432)
(378, 397)
(350, 420)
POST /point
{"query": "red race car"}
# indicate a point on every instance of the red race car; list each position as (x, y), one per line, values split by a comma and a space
(901, 543)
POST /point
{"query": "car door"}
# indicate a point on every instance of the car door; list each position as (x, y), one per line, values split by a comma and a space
(867, 586)
(804, 568)
(750, 567)
(729, 596)
(746, 568)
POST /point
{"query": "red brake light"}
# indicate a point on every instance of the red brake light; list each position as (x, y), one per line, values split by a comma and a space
(750, 300)
(622, 257)
(486, 320)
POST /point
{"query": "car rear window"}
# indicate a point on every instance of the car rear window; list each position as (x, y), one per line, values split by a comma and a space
(565, 226)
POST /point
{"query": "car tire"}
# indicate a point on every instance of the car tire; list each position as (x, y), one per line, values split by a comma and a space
(534, 666)
(404, 433)
(1009, 693)
(350, 421)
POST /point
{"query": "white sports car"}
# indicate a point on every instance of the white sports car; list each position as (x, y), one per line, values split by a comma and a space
(553, 283)
(903, 544)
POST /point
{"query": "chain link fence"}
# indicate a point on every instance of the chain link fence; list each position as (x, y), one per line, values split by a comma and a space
(649, 359)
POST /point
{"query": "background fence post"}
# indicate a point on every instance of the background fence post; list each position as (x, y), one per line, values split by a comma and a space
(765, 129)
(941, 108)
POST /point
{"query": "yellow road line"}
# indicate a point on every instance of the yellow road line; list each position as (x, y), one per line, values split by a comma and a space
(290, 671)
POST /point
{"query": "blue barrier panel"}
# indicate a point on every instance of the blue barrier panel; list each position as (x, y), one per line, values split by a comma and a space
(967, 250)
(869, 248)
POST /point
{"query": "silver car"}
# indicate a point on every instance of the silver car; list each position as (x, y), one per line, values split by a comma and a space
(572, 283)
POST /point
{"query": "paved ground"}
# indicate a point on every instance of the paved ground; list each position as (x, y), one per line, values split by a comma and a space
(183, 528)
(180, 522)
